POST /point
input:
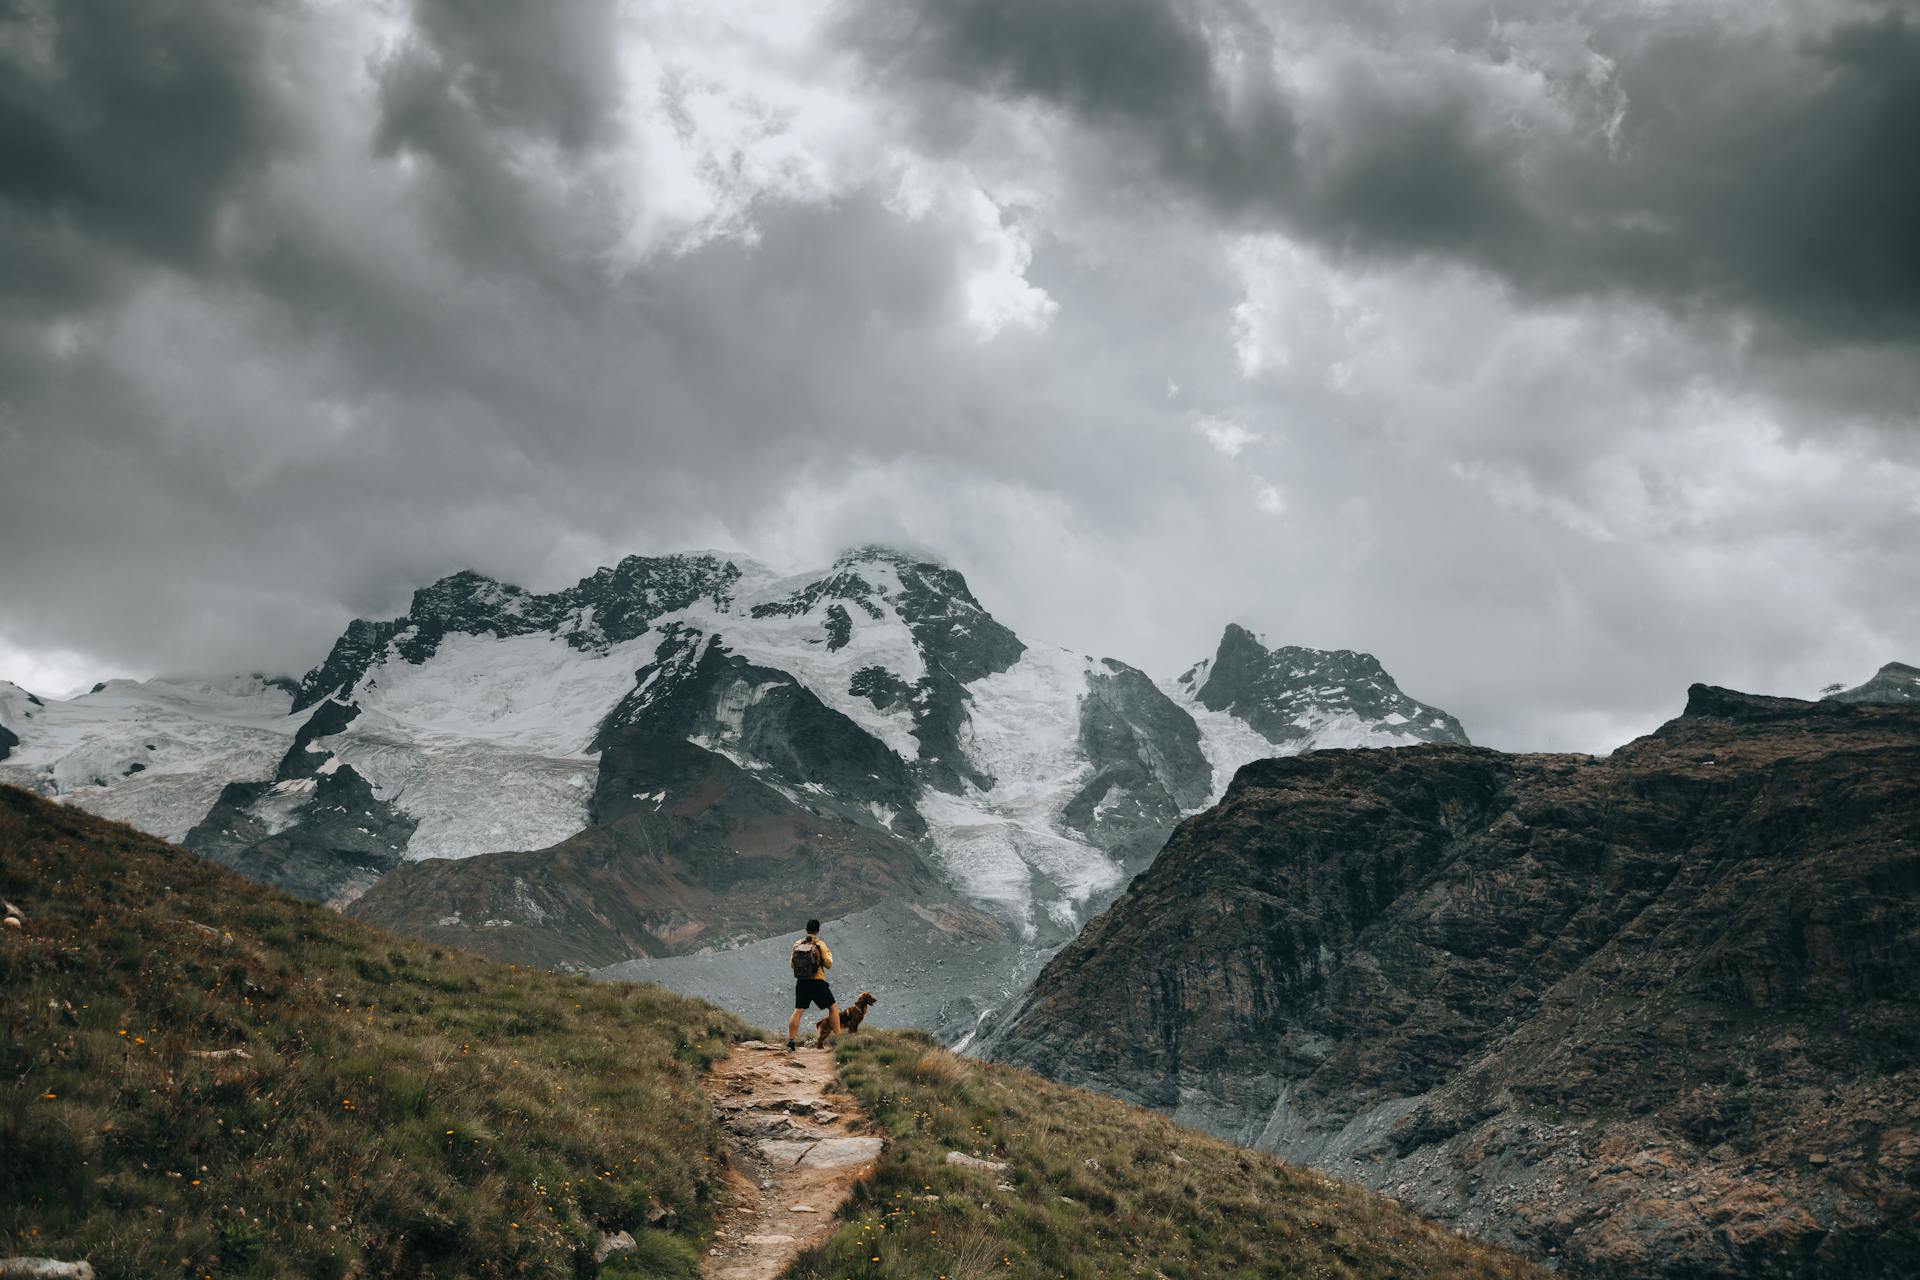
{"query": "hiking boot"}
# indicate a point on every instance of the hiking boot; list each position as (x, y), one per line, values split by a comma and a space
(791, 1046)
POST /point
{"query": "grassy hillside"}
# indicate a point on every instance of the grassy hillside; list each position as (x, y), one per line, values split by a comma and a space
(200, 1076)
(1097, 1188)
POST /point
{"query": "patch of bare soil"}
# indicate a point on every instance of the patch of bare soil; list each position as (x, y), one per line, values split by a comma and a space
(800, 1144)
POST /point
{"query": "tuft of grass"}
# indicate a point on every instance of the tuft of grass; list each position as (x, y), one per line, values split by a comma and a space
(1095, 1188)
(201, 1076)
(940, 1067)
(656, 1255)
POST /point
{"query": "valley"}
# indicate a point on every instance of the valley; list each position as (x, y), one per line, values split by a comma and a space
(681, 756)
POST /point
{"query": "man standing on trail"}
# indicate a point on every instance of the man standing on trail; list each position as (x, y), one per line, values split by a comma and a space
(810, 960)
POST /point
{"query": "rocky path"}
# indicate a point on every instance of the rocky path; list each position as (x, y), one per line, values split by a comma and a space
(799, 1146)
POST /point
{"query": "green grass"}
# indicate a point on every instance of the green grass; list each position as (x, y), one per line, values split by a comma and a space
(1099, 1189)
(403, 1111)
(400, 1110)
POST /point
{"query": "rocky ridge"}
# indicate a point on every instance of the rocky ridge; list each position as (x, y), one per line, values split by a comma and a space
(1252, 702)
(606, 607)
(1290, 694)
(1653, 1014)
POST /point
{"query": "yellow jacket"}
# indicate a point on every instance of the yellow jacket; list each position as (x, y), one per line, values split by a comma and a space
(826, 956)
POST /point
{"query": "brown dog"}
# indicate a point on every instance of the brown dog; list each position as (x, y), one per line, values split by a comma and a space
(850, 1017)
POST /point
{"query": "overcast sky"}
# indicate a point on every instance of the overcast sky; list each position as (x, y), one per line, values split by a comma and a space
(1559, 354)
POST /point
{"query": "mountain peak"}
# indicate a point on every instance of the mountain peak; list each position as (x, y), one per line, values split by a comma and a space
(606, 607)
(902, 556)
(1237, 639)
(1237, 642)
(1297, 698)
(449, 594)
(1895, 682)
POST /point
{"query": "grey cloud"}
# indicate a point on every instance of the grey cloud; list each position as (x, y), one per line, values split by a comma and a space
(547, 69)
(379, 331)
(1143, 67)
(402, 417)
(472, 89)
(297, 381)
(128, 125)
(1756, 165)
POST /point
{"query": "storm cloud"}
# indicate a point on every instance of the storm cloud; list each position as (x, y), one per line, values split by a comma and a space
(1757, 157)
(1558, 356)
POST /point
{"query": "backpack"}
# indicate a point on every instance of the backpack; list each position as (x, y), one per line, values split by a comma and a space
(806, 960)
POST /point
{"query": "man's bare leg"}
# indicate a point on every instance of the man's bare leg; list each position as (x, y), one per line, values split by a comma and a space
(829, 1026)
(793, 1025)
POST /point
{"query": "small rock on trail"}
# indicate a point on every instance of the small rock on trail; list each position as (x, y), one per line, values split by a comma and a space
(799, 1145)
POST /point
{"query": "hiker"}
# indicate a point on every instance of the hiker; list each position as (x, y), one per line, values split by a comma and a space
(810, 960)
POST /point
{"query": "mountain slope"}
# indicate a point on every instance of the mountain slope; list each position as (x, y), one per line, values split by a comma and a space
(205, 1076)
(686, 849)
(1658, 1013)
(1066, 1183)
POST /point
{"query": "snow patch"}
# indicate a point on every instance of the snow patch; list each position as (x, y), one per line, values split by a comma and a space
(532, 693)
(1228, 742)
(467, 796)
(793, 643)
(1002, 846)
(188, 736)
(1018, 869)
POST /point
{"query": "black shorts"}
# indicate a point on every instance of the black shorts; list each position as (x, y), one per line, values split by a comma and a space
(813, 991)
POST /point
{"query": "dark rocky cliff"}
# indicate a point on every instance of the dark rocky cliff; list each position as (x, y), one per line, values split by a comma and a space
(1653, 1014)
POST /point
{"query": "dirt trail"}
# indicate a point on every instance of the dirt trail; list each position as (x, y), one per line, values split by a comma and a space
(799, 1146)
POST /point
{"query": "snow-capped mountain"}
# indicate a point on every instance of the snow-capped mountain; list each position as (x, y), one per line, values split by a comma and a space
(691, 751)
(1251, 702)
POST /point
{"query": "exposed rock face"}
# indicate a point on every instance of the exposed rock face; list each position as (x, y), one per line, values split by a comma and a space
(696, 690)
(316, 830)
(1657, 1014)
(1895, 682)
(958, 642)
(1253, 703)
(342, 839)
(1290, 693)
(1148, 768)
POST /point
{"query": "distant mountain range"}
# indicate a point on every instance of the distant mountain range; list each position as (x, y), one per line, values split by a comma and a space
(683, 755)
